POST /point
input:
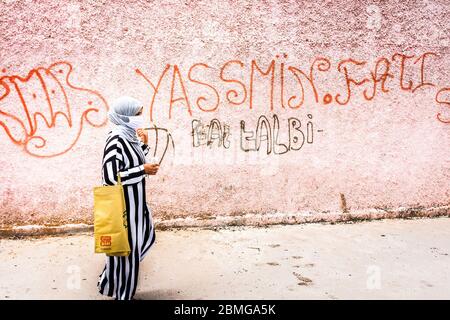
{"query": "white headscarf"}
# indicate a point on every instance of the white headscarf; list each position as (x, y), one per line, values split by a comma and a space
(123, 108)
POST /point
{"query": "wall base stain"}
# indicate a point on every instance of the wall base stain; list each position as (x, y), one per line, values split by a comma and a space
(244, 220)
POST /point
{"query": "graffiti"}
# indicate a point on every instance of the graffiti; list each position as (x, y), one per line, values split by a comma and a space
(355, 78)
(44, 112)
(444, 102)
(268, 134)
(265, 136)
(161, 142)
(207, 134)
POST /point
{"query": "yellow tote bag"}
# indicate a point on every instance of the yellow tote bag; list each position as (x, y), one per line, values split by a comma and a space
(110, 220)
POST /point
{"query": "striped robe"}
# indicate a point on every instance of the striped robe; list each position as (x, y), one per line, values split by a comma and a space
(120, 275)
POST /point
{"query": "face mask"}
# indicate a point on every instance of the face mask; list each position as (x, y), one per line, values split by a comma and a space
(136, 122)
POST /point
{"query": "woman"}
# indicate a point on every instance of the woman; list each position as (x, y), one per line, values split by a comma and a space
(125, 153)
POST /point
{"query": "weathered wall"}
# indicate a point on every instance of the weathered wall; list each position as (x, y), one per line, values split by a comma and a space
(360, 92)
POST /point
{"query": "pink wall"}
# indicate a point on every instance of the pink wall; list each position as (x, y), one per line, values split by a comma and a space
(370, 78)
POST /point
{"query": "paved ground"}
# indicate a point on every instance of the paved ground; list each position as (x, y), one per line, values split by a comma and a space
(405, 259)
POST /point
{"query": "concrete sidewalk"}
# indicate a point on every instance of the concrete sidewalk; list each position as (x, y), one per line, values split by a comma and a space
(404, 259)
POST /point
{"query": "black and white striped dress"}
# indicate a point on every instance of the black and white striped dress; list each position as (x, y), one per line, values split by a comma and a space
(120, 275)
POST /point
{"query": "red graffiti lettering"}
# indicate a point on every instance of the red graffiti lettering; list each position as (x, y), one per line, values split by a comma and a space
(44, 112)
(373, 80)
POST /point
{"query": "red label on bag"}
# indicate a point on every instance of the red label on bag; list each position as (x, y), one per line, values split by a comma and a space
(105, 241)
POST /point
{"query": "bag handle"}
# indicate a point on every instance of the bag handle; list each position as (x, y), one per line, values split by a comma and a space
(119, 181)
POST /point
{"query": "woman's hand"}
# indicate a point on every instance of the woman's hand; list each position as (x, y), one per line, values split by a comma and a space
(143, 135)
(150, 168)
